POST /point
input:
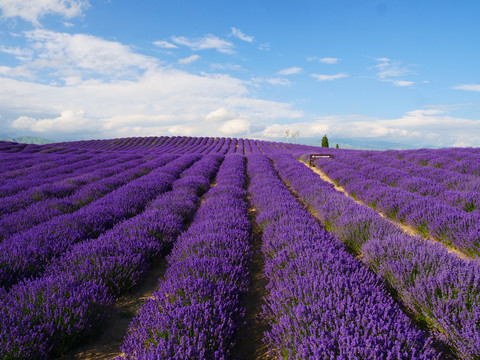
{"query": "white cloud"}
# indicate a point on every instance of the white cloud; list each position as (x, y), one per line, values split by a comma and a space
(189, 60)
(221, 114)
(32, 10)
(325, 60)
(157, 103)
(402, 83)
(207, 42)
(240, 35)
(20, 54)
(228, 66)
(278, 81)
(417, 128)
(148, 99)
(24, 122)
(259, 81)
(181, 130)
(18, 71)
(68, 54)
(468, 87)
(69, 121)
(390, 71)
(264, 47)
(305, 129)
(423, 112)
(235, 127)
(290, 71)
(322, 77)
(165, 45)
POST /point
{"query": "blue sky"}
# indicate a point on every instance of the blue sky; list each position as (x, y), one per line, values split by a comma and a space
(388, 71)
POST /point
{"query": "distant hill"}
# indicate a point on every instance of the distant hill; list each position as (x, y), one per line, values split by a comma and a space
(28, 140)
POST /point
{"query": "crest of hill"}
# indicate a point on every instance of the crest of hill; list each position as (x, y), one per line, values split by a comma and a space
(28, 140)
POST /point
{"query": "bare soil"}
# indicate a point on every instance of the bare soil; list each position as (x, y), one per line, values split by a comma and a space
(249, 344)
(445, 350)
(108, 341)
(250, 336)
(406, 228)
(110, 338)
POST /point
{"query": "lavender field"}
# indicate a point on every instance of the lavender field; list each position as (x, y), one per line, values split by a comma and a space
(365, 255)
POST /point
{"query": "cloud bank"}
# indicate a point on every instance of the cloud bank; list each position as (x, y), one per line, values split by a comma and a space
(100, 88)
(33, 10)
(423, 127)
(78, 86)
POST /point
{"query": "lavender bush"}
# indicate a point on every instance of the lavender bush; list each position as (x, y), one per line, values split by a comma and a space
(322, 302)
(42, 319)
(196, 311)
(442, 289)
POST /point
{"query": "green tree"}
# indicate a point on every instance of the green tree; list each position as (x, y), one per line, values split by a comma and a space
(325, 141)
(337, 147)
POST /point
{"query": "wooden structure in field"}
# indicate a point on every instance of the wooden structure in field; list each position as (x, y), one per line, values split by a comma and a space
(314, 157)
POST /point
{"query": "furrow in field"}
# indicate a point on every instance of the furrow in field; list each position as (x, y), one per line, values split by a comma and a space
(111, 335)
(409, 230)
(26, 254)
(322, 302)
(43, 317)
(442, 290)
(196, 311)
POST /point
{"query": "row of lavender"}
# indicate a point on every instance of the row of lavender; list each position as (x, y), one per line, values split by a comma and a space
(56, 177)
(320, 296)
(144, 146)
(22, 161)
(150, 145)
(125, 144)
(17, 180)
(299, 255)
(322, 302)
(183, 144)
(46, 315)
(427, 207)
(60, 183)
(67, 196)
(9, 149)
(40, 193)
(454, 188)
(26, 253)
(196, 310)
(441, 289)
(462, 160)
(38, 190)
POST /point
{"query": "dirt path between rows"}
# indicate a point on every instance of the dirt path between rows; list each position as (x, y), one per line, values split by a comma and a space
(110, 338)
(445, 350)
(250, 344)
(406, 229)
(111, 334)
